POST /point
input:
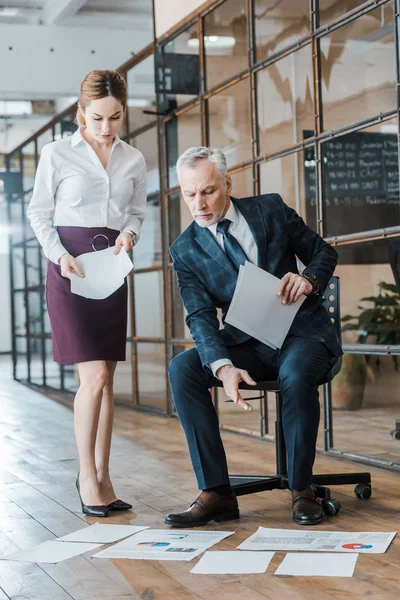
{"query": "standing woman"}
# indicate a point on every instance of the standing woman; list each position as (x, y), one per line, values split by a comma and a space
(90, 193)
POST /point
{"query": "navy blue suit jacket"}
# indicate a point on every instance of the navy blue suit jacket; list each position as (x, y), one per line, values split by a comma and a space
(207, 278)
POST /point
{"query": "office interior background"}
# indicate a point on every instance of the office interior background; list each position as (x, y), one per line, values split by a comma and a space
(303, 97)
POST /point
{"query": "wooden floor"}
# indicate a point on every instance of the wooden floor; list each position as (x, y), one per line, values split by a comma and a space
(150, 467)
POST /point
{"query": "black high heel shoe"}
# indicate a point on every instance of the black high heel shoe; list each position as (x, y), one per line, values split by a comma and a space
(119, 505)
(93, 511)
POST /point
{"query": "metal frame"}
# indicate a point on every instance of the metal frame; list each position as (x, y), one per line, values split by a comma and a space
(316, 33)
(255, 160)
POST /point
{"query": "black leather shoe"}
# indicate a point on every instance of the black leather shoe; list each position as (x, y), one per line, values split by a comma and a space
(93, 511)
(208, 506)
(306, 508)
(119, 505)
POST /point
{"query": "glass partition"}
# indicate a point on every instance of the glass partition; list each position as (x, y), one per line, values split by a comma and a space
(358, 69)
(279, 24)
(225, 41)
(230, 124)
(285, 101)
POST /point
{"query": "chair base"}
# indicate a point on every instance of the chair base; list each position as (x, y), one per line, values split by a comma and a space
(395, 434)
(251, 484)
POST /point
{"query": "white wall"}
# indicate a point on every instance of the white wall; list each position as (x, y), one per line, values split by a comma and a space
(31, 70)
(168, 17)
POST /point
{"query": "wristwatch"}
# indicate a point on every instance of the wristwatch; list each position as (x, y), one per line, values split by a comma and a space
(313, 280)
(133, 234)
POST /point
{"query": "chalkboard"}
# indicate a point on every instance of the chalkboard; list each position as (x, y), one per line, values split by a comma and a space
(361, 186)
(177, 73)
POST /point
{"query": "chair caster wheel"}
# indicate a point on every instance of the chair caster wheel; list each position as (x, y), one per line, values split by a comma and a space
(331, 507)
(363, 491)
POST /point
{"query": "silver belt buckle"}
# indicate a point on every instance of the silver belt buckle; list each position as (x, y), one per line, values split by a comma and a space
(100, 235)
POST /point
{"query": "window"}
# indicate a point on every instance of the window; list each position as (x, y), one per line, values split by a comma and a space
(279, 24)
(358, 69)
(285, 101)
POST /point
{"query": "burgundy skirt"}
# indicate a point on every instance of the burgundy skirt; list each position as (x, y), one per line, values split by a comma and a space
(84, 329)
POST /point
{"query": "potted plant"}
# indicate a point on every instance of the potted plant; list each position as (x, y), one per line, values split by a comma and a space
(382, 321)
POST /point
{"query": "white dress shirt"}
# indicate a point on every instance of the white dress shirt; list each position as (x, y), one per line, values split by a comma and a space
(240, 229)
(72, 188)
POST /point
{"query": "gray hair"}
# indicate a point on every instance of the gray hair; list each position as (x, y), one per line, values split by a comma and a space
(192, 156)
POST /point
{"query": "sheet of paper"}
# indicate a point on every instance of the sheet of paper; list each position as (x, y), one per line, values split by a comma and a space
(104, 273)
(51, 552)
(165, 544)
(222, 563)
(321, 541)
(102, 533)
(318, 565)
(257, 310)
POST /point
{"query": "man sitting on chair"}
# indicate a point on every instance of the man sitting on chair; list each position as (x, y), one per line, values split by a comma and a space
(207, 255)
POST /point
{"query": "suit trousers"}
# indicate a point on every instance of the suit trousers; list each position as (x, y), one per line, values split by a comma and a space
(298, 367)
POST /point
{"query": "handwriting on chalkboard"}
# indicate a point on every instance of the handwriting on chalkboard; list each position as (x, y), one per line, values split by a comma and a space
(361, 183)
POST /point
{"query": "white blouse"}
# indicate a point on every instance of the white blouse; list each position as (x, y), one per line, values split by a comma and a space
(72, 188)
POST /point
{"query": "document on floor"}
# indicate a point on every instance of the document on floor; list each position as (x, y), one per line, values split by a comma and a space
(104, 273)
(257, 310)
(321, 541)
(102, 533)
(232, 562)
(308, 564)
(51, 552)
(165, 544)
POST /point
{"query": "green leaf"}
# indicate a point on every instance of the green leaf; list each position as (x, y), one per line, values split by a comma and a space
(350, 327)
(390, 287)
(347, 318)
(381, 300)
(391, 327)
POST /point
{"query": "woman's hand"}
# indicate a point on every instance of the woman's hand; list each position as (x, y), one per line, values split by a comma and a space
(68, 265)
(124, 239)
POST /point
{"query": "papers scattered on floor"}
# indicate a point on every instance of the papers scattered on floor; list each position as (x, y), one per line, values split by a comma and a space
(102, 533)
(322, 541)
(257, 310)
(165, 544)
(226, 562)
(104, 273)
(318, 565)
(51, 552)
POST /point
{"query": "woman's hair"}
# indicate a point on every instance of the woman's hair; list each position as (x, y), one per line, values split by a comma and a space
(100, 84)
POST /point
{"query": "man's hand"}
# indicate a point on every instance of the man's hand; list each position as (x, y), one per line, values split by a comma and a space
(231, 377)
(292, 286)
(68, 265)
(124, 239)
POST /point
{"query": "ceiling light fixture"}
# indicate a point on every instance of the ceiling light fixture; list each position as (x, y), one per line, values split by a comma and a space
(138, 102)
(9, 12)
(15, 107)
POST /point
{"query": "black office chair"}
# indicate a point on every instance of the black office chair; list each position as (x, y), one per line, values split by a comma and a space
(394, 259)
(250, 484)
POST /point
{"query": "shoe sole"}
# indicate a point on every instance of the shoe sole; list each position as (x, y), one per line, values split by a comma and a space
(308, 521)
(93, 514)
(230, 516)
